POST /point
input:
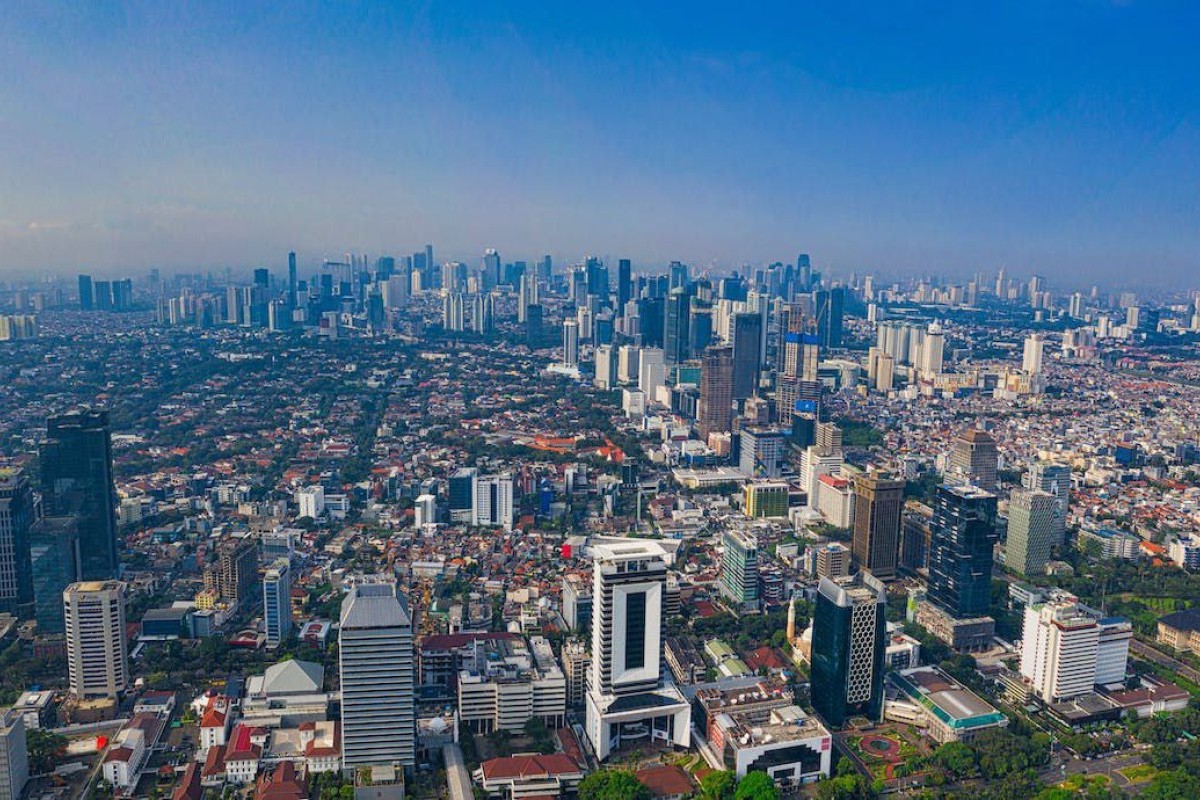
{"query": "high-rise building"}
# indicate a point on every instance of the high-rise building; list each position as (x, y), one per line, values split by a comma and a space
(234, 575)
(87, 297)
(878, 504)
(1068, 648)
(462, 495)
(848, 644)
(606, 367)
(933, 350)
(1055, 479)
(747, 354)
(277, 602)
(829, 316)
(54, 563)
(425, 510)
(570, 343)
(1031, 530)
(16, 518)
(1035, 346)
(962, 535)
(762, 451)
(974, 459)
(716, 391)
(624, 285)
(766, 499)
(627, 696)
(575, 660)
(97, 659)
(739, 569)
(831, 560)
(494, 501)
(14, 754)
(77, 479)
(375, 659)
(676, 327)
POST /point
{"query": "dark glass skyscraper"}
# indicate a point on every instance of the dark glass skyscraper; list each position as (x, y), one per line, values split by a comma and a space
(848, 644)
(675, 328)
(624, 285)
(747, 354)
(77, 480)
(87, 297)
(962, 535)
(829, 316)
(16, 516)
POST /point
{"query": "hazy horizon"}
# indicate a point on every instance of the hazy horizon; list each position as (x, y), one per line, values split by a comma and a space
(1060, 139)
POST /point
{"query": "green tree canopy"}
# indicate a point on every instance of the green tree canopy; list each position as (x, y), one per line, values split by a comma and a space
(613, 785)
(756, 786)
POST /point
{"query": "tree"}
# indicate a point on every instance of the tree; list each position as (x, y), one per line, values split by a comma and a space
(45, 749)
(717, 785)
(613, 785)
(756, 786)
(956, 758)
(1173, 785)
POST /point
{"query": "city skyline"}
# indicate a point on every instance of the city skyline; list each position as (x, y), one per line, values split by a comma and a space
(891, 141)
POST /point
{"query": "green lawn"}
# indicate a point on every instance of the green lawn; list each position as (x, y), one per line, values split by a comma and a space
(1140, 773)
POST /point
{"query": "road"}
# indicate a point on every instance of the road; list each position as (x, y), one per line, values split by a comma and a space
(1162, 659)
(1106, 765)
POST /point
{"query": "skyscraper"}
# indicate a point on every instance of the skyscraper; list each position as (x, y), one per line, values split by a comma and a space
(97, 659)
(277, 602)
(747, 354)
(1067, 649)
(676, 326)
(570, 343)
(716, 391)
(375, 657)
(962, 535)
(1055, 479)
(87, 297)
(739, 569)
(16, 517)
(829, 305)
(848, 643)
(878, 505)
(494, 501)
(606, 367)
(77, 480)
(624, 285)
(1031, 530)
(54, 562)
(1035, 346)
(627, 697)
(974, 459)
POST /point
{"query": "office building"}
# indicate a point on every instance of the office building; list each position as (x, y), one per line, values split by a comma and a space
(1035, 346)
(963, 533)
(277, 602)
(375, 655)
(766, 499)
(676, 327)
(504, 682)
(1055, 479)
(576, 660)
(54, 563)
(14, 755)
(77, 480)
(831, 560)
(829, 307)
(739, 569)
(577, 601)
(493, 505)
(570, 343)
(747, 354)
(97, 662)
(606, 367)
(87, 297)
(462, 495)
(878, 503)
(946, 710)
(974, 459)
(763, 451)
(715, 410)
(16, 519)
(1031, 531)
(425, 510)
(848, 644)
(628, 700)
(1067, 649)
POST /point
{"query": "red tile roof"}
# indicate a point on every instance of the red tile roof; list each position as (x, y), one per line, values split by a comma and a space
(523, 767)
(666, 780)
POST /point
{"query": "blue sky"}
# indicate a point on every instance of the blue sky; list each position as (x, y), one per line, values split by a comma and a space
(1060, 137)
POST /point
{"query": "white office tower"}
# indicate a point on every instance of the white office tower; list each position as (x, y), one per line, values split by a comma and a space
(606, 367)
(14, 754)
(97, 663)
(311, 500)
(813, 464)
(933, 351)
(652, 372)
(1031, 515)
(628, 701)
(627, 363)
(1035, 346)
(570, 343)
(1067, 649)
(425, 511)
(375, 657)
(494, 501)
(277, 602)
